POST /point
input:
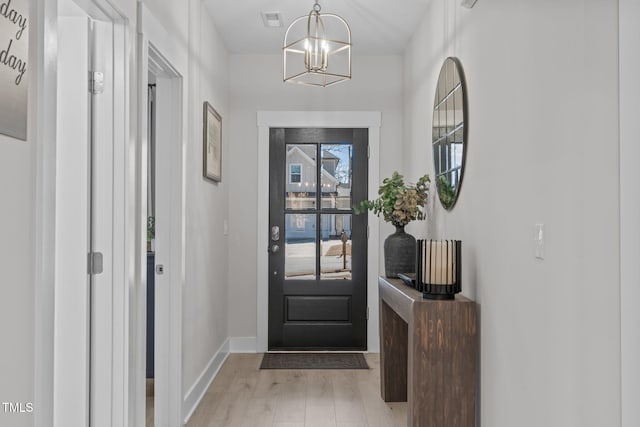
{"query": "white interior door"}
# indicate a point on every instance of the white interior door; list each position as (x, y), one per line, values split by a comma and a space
(168, 284)
(72, 317)
(83, 362)
(102, 214)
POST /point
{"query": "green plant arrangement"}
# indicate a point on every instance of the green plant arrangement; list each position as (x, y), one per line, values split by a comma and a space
(151, 228)
(446, 191)
(399, 203)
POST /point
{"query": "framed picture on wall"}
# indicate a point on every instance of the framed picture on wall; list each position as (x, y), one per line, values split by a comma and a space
(212, 142)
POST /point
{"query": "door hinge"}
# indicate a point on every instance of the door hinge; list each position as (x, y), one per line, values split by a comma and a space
(367, 232)
(94, 263)
(367, 313)
(96, 82)
(368, 151)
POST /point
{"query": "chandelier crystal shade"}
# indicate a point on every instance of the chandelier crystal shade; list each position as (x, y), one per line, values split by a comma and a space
(317, 49)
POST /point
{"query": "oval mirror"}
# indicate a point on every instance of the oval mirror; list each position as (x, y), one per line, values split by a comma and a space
(449, 132)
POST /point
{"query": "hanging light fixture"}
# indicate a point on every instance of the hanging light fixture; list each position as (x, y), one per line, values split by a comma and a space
(310, 56)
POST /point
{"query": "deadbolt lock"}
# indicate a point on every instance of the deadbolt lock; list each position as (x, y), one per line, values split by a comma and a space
(275, 233)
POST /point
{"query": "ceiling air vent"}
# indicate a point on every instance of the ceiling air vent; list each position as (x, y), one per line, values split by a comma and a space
(272, 19)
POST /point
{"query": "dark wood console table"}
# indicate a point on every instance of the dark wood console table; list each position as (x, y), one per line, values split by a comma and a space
(428, 356)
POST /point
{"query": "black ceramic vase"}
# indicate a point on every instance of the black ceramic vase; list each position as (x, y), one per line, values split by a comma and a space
(399, 253)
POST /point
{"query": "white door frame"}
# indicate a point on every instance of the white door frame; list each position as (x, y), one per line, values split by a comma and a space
(46, 376)
(73, 221)
(161, 54)
(316, 119)
(629, 90)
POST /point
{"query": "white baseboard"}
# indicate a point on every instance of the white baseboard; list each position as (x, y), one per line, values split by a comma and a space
(199, 388)
(243, 345)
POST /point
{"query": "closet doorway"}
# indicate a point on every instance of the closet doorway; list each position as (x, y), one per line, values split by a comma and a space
(163, 207)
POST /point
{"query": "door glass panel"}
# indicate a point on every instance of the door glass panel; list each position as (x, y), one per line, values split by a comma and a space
(300, 246)
(335, 249)
(336, 176)
(301, 176)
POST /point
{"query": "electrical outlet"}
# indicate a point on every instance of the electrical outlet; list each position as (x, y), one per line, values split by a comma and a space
(225, 227)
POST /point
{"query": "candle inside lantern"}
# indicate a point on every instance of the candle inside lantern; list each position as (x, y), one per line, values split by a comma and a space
(439, 262)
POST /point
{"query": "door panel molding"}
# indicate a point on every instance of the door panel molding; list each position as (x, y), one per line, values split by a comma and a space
(301, 308)
(320, 119)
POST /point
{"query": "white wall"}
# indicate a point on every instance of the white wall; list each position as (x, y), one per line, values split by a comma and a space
(17, 180)
(543, 148)
(17, 248)
(205, 311)
(206, 295)
(256, 85)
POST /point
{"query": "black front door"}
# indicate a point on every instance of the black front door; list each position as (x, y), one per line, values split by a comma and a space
(318, 247)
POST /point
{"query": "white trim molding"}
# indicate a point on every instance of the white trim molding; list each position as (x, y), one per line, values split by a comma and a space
(629, 90)
(196, 392)
(45, 60)
(316, 119)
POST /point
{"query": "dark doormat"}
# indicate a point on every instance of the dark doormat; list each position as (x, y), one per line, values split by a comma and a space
(313, 361)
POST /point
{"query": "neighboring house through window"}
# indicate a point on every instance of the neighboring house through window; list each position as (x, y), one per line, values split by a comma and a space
(295, 173)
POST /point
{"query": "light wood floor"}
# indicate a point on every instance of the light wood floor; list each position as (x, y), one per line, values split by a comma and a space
(150, 402)
(244, 396)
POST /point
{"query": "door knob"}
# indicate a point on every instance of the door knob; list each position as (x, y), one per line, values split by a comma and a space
(274, 249)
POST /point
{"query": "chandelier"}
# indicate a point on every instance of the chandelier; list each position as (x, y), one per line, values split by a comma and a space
(318, 53)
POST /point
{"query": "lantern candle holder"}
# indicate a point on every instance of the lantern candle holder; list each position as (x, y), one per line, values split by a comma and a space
(438, 268)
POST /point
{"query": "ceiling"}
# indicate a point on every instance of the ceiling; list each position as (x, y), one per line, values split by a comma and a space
(377, 26)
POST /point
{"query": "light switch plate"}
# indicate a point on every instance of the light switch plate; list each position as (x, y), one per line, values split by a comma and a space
(468, 3)
(538, 239)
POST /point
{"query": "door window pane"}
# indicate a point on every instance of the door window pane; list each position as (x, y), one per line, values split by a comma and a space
(336, 176)
(300, 246)
(335, 249)
(301, 176)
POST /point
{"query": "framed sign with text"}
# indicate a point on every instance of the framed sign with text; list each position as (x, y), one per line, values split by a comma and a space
(14, 54)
